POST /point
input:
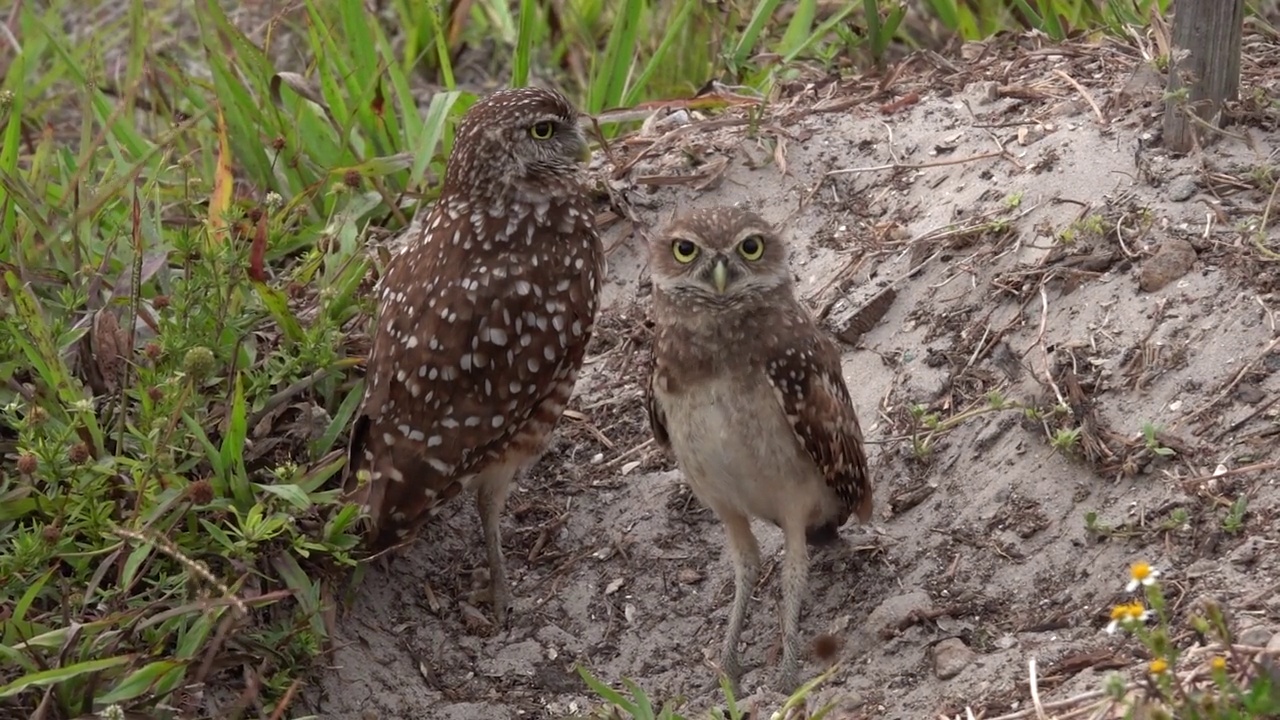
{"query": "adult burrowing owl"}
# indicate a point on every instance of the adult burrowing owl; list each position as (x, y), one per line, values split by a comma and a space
(482, 323)
(747, 394)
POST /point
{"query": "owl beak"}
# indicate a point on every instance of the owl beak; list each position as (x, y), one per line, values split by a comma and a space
(584, 145)
(720, 275)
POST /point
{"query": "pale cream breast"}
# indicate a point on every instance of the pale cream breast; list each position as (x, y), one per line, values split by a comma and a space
(736, 449)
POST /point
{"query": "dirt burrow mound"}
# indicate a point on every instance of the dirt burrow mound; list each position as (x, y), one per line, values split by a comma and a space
(1069, 364)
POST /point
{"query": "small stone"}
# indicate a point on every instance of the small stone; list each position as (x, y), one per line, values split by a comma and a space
(688, 576)
(1249, 552)
(475, 621)
(513, 660)
(950, 657)
(1249, 393)
(1172, 260)
(1255, 636)
(1273, 645)
(1182, 188)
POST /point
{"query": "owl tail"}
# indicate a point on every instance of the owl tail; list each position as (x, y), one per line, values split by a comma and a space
(362, 490)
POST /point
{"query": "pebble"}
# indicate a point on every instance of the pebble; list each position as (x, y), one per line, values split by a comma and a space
(1172, 260)
(1182, 188)
(1255, 636)
(1250, 551)
(950, 657)
(688, 576)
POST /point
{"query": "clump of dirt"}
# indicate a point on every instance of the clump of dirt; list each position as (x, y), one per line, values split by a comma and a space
(1076, 369)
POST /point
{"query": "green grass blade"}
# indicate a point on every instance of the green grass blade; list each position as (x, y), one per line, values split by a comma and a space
(529, 17)
(746, 44)
(141, 681)
(57, 675)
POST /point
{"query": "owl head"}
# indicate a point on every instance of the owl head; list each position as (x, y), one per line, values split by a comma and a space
(719, 257)
(525, 137)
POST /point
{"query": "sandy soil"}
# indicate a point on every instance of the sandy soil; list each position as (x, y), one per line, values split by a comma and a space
(1041, 245)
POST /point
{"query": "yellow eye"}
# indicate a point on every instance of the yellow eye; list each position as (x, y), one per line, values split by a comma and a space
(684, 250)
(752, 248)
(542, 130)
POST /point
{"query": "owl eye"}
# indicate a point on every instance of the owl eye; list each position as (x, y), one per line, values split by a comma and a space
(752, 248)
(684, 250)
(542, 130)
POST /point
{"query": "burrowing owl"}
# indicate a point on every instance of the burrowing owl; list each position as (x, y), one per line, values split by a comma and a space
(481, 327)
(747, 394)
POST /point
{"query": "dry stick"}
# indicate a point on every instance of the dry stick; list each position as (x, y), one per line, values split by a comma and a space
(671, 136)
(628, 454)
(1261, 595)
(896, 166)
(991, 132)
(1068, 702)
(1083, 93)
(1230, 386)
(286, 700)
(1236, 471)
(914, 166)
(1262, 230)
(1035, 689)
(1044, 321)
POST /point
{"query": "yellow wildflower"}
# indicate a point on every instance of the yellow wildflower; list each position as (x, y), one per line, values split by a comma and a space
(1141, 573)
(1159, 666)
(1126, 614)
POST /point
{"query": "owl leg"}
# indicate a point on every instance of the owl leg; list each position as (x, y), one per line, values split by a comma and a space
(492, 489)
(746, 569)
(795, 579)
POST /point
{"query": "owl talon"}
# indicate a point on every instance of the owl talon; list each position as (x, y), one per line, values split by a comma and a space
(500, 600)
(735, 684)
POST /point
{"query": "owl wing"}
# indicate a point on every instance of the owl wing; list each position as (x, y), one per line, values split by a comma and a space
(806, 380)
(449, 382)
(657, 416)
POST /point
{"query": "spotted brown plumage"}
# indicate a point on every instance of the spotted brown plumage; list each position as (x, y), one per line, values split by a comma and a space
(747, 393)
(482, 323)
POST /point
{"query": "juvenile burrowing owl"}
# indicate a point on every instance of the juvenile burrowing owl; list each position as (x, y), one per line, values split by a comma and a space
(482, 323)
(747, 394)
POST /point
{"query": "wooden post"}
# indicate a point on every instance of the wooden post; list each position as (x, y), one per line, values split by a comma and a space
(1204, 71)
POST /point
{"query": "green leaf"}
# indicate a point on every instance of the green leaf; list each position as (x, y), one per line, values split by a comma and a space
(15, 504)
(340, 420)
(193, 638)
(141, 681)
(747, 40)
(436, 127)
(211, 453)
(218, 535)
(57, 675)
(134, 561)
(290, 493)
(29, 597)
(609, 694)
(305, 591)
(278, 305)
(529, 21)
(232, 451)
